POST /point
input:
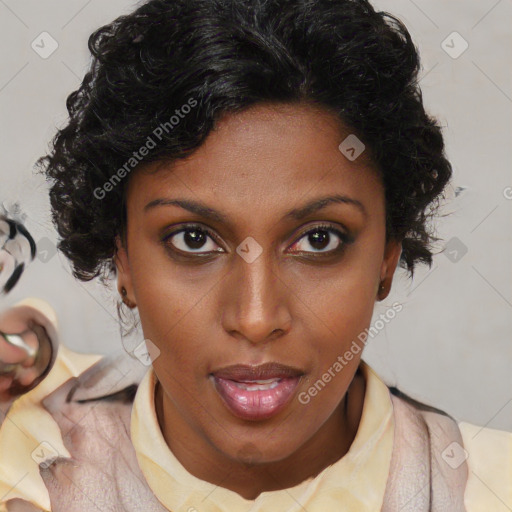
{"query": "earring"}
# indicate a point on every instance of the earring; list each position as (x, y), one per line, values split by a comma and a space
(125, 298)
(381, 287)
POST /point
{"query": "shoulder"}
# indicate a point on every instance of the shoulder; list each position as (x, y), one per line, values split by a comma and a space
(489, 457)
(485, 453)
(31, 433)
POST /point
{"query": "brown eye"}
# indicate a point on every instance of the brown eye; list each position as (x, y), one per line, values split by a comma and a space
(192, 239)
(321, 239)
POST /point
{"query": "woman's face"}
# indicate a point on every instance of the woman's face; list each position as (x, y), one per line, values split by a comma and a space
(267, 245)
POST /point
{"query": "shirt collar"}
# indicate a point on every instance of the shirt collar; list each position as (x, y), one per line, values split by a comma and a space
(358, 479)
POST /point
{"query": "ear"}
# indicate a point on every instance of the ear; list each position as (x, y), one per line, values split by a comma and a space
(124, 276)
(392, 254)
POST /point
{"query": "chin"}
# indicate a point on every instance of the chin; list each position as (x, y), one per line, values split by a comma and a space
(256, 453)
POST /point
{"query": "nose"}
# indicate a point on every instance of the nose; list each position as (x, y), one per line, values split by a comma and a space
(256, 305)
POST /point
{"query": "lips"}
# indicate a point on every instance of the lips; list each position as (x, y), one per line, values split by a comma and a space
(256, 392)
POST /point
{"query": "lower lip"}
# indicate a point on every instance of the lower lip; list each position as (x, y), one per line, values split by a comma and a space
(258, 404)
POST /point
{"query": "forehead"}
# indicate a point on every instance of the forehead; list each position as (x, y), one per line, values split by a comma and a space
(268, 156)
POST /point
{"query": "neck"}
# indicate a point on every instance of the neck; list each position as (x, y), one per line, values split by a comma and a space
(331, 442)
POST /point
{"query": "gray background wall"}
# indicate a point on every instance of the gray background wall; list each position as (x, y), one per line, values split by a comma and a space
(451, 345)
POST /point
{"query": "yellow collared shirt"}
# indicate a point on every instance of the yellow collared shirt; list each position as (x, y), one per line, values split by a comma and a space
(358, 480)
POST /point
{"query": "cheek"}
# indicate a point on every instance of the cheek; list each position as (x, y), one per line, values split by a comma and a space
(337, 330)
(339, 309)
(172, 325)
(339, 302)
(165, 292)
(173, 316)
(345, 322)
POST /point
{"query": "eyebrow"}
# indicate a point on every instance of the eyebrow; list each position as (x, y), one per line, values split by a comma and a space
(296, 213)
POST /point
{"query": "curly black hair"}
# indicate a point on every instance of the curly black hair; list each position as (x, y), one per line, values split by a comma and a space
(221, 56)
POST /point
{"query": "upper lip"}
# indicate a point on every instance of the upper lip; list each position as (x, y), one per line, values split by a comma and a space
(244, 372)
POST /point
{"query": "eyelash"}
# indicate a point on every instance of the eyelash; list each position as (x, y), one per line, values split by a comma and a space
(345, 239)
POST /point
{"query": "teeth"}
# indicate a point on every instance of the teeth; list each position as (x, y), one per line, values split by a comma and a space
(260, 385)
